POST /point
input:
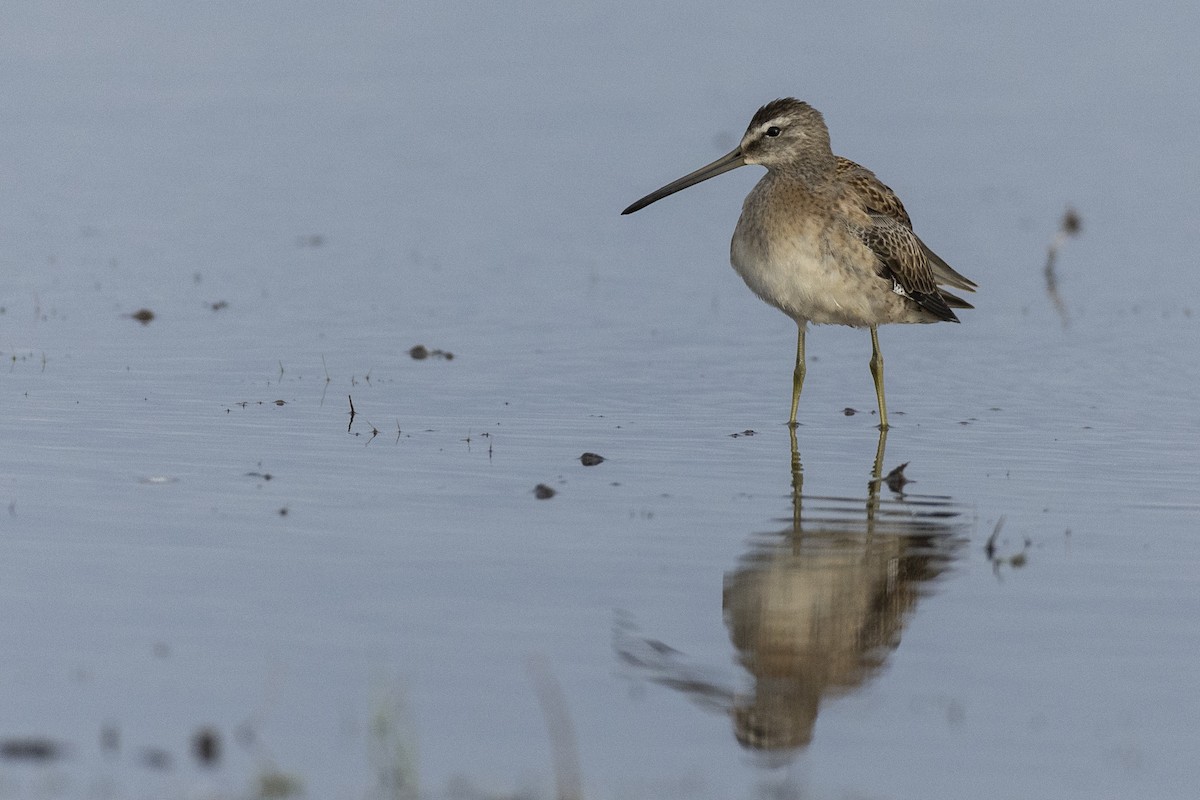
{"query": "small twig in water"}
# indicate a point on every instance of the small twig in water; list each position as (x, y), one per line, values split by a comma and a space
(1016, 561)
(328, 380)
(990, 547)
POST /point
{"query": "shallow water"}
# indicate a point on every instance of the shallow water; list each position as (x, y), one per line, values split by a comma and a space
(194, 538)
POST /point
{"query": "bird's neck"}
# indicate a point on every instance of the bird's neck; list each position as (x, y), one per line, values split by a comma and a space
(816, 174)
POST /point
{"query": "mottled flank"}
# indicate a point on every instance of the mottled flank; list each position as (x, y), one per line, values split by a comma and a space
(824, 240)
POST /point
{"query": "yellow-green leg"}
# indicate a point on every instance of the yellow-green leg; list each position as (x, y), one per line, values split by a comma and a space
(798, 375)
(877, 374)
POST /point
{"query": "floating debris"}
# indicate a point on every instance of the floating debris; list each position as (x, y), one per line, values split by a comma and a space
(746, 432)
(591, 459)
(543, 492)
(849, 412)
(420, 352)
(219, 305)
(895, 479)
(1070, 225)
(1016, 561)
(374, 430)
(990, 548)
(206, 746)
(142, 315)
(31, 748)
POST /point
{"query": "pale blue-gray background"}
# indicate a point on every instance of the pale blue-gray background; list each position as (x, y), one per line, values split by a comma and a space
(464, 168)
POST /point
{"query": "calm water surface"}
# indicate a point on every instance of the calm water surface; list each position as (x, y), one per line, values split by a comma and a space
(197, 536)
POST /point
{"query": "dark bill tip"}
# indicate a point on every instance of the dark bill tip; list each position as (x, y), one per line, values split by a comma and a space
(731, 160)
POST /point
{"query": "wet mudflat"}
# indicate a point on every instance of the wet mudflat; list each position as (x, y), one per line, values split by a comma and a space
(223, 230)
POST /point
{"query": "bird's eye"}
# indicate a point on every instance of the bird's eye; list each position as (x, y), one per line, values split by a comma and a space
(773, 131)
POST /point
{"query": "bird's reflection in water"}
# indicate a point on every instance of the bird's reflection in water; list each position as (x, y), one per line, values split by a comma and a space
(813, 610)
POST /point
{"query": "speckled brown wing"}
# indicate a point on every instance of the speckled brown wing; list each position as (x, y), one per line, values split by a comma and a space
(902, 260)
(877, 198)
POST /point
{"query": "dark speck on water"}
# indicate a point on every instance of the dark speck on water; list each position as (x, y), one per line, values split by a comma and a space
(849, 412)
(591, 459)
(543, 492)
(421, 352)
(142, 315)
(746, 432)
(30, 748)
(1071, 223)
(206, 746)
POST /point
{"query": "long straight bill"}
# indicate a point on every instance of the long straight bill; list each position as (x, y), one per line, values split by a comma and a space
(731, 160)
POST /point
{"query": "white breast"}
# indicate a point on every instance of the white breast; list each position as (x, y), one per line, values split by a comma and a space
(796, 271)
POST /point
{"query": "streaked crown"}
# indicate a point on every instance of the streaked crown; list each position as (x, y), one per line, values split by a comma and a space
(788, 134)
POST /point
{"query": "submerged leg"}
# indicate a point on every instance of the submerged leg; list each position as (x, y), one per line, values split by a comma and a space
(797, 483)
(798, 375)
(876, 480)
(877, 374)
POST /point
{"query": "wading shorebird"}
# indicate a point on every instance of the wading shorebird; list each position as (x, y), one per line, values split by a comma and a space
(825, 241)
